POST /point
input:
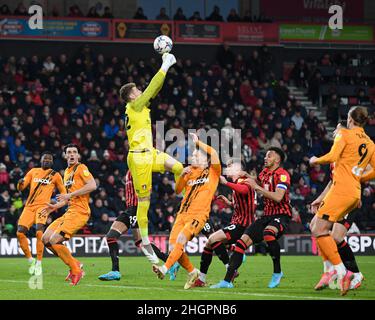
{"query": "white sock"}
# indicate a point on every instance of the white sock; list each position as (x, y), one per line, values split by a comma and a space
(227, 266)
(340, 269)
(202, 277)
(328, 267)
(145, 241)
(38, 262)
(163, 269)
(30, 260)
(194, 270)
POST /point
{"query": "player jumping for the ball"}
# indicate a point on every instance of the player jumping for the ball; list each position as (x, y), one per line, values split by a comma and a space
(200, 180)
(143, 158)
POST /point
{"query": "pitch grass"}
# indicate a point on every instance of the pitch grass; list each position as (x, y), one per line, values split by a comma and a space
(138, 281)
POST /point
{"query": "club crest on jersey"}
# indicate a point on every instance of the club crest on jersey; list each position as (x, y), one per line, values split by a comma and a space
(42, 181)
(198, 181)
(86, 173)
(144, 186)
(283, 178)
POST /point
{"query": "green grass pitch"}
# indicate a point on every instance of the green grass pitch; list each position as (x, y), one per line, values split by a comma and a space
(138, 281)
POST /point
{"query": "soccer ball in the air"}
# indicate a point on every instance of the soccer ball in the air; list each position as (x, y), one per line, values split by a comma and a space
(163, 44)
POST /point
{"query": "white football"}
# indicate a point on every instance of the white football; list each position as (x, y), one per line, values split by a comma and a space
(163, 44)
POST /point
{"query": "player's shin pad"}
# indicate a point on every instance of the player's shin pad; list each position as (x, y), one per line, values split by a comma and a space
(149, 253)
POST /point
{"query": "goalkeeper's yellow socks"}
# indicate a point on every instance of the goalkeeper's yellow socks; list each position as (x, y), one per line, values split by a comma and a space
(142, 219)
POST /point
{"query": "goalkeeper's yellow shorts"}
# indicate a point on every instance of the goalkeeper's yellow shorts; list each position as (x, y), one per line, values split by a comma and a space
(142, 163)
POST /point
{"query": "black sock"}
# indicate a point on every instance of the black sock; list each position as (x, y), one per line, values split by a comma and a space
(161, 255)
(206, 259)
(112, 238)
(347, 256)
(235, 260)
(274, 250)
(221, 252)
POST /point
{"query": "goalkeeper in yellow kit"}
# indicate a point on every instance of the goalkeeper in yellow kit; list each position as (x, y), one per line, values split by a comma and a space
(143, 158)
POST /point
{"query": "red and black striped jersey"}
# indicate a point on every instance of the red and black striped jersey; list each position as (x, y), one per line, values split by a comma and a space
(131, 199)
(271, 180)
(244, 205)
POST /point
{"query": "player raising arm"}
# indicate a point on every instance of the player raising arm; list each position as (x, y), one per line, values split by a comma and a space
(143, 158)
(200, 181)
(79, 183)
(243, 216)
(338, 232)
(43, 182)
(352, 150)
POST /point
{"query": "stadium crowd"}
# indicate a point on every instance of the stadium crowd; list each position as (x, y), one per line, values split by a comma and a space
(101, 11)
(48, 102)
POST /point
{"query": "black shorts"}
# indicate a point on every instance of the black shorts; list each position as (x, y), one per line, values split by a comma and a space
(208, 229)
(348, 221)
(233, 232)
(255, 230)
(129, 218)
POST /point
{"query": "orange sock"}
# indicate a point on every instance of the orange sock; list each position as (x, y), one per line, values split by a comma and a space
(66, 256)
(328, 247)
(39, 245)
(24, 244)
(321, 253)
(174, 255)
(184, 261)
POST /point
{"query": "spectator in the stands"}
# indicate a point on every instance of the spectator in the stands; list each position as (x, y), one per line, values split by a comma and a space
(179, 15)
(300, 73)
(337, 78)
(162, 14)
(139, 15)
(103, 225)
(4, 10)
(362, 98)
(196, 16)
(93, 13)
(233, 16)
(21, 10)
(333, 104)
(247, 17)
(107, 13)
(55, 11)
(215, 15)
(314, 87)
(4, 175)
(75, 11)
(225, 56)
(298, 119)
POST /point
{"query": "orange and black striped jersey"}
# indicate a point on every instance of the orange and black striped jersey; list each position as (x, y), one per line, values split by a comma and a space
(42, 185)
(75, 177)
(200, 186)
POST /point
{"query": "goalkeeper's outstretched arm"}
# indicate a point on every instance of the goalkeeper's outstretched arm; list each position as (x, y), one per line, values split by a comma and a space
(156, 83)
